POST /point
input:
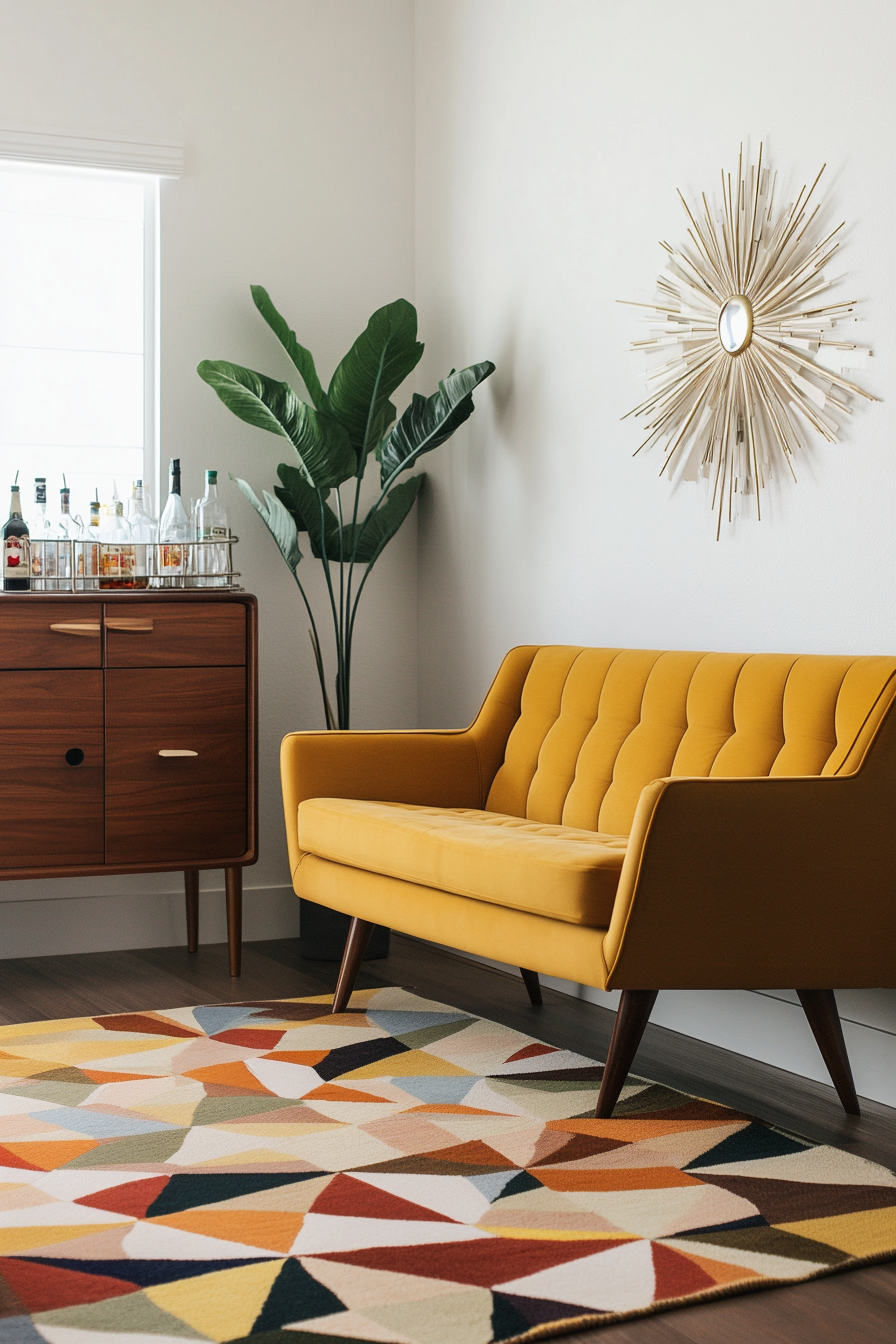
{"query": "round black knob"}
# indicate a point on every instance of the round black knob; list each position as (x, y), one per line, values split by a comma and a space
(74, 756)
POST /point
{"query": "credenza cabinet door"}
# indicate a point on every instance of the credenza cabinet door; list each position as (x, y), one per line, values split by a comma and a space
(176, 767)
(51, 762)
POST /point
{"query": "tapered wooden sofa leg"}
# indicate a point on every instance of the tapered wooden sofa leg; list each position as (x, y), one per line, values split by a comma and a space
(820, 1008)
(635, 1008)
(533, 987)
(359, 932)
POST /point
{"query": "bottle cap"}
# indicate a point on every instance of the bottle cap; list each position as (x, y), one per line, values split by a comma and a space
(174, 464)
(211, 477)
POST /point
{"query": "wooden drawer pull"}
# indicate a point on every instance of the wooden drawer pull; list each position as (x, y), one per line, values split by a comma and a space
(129, 623)
(176, 751)
(90, 628)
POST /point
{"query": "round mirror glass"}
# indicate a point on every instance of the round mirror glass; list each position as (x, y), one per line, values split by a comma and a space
(736, 324)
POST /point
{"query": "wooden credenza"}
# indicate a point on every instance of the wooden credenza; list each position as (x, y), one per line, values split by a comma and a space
(128, 738)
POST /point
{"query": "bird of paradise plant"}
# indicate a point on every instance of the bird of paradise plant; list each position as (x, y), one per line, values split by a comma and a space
(332, 436)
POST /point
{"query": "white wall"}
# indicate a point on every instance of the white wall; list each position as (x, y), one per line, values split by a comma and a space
(298, 122)
(550, 141)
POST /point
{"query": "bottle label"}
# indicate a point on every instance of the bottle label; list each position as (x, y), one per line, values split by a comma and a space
(16, 558)
(172, 557)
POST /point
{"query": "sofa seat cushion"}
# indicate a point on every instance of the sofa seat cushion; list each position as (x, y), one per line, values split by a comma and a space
(558, 871)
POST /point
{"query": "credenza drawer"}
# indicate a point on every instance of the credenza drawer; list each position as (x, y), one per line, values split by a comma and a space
(176, 764)
(51, 634)
(175, 634)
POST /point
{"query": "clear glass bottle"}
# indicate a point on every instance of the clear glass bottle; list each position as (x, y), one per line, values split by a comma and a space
(66, 533)
(38, 528)
(213, 557)
(16, 547)
(144, 534)
(117, 560)
(174, 532)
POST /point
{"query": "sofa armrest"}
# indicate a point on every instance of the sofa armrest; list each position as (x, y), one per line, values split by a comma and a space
(758, 883)
(432, 767)
(435, 768)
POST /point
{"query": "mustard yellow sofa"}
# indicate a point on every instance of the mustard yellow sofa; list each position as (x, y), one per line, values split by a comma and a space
(629, 819)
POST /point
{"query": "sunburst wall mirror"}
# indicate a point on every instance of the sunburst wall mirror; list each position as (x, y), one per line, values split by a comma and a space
(750, 345)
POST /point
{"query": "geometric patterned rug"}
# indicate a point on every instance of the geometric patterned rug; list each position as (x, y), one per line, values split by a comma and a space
(402, 1172)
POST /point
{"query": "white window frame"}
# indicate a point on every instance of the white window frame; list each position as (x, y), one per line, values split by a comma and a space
(151, 160)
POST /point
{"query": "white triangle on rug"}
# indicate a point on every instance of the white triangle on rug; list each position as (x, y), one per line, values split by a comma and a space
(643, 1213)
(351, 1325)
(454, 1196)
(325, 1233)
(818, 1166)
(63, 1334)
(283, 1079)
(622, 1279)
(463, 1318)
(10, 1104)
(66, 1184)
(485, 1098)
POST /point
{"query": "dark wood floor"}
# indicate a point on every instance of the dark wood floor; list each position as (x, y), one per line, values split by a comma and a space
(853, 1308)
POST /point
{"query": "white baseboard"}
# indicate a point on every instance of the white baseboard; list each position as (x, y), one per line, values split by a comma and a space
(770, 1027)
(115, 923)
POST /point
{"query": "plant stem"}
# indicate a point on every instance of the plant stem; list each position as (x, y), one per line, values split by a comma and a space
(328, 713)
(325, 561)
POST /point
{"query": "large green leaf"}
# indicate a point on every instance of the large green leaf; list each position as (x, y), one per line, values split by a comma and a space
(306, 504)
(380, 359)
(368, 539)
(277, 520)
(429, 421)
(301, 358)
(322, 445)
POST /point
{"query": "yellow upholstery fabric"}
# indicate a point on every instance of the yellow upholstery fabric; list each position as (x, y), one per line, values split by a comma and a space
(559, 871)
(756, 791)
(597, 725)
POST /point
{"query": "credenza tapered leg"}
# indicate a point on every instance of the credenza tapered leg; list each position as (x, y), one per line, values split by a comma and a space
(191, 888)
(233, 882)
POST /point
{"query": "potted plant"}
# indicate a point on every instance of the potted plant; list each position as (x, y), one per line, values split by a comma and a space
(332, 436)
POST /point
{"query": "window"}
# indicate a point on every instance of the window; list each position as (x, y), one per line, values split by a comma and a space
(77, 309)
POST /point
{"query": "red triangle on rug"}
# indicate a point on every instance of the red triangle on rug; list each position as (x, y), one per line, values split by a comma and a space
(44, 1287)
(677, 1276)
(475, 1153)
(530, 1052)
(131, 1199)
(348, 1198)
(485, 1263)
(9, 1159)
(251, 1038)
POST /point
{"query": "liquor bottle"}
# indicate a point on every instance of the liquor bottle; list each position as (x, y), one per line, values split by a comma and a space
(212, 530)
(16, 548)
(88, 547)
(144, 534)
(38, 527)
(117, 560)
(174, 533)
(66, 532)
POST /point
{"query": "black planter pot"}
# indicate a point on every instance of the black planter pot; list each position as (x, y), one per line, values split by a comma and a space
(324, 931)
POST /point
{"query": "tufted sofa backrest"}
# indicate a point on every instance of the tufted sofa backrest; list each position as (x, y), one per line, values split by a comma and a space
(597, 725)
